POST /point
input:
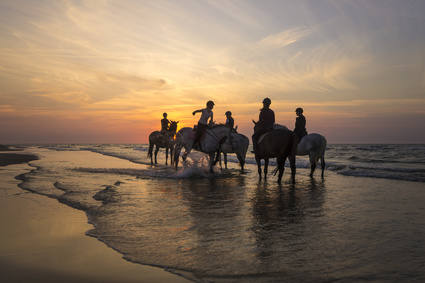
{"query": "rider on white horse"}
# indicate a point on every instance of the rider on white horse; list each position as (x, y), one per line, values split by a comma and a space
(207, 113)
(300, 122)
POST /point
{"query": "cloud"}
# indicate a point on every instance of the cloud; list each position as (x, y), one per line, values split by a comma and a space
(285, 38)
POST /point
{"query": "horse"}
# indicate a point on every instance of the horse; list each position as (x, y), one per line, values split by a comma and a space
(313, 145)
(210, 143)
(163, 139)
(236, 143)
(281, 143)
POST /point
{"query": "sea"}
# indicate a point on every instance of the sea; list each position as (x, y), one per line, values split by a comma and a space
(363, 221)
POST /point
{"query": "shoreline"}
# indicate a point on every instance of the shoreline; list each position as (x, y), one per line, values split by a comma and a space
(42, 240)
(12, 155)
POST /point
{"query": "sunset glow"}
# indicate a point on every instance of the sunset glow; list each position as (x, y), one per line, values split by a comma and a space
(105, 71)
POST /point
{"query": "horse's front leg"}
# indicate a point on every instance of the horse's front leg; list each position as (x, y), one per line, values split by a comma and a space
(166, 156)
(187, 150)
(266, 166)
(225, 159)
(217, 157)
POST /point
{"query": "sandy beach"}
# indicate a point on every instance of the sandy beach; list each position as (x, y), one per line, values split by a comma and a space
(42, 240)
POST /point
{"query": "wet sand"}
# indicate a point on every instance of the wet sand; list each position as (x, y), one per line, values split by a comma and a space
(42, 240)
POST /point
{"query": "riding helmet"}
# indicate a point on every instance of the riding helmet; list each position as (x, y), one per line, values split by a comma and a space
(210, 103)
(228, 113)
(299, 110)
(267, 101)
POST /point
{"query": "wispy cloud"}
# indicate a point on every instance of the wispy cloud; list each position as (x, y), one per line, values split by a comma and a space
(136, 59)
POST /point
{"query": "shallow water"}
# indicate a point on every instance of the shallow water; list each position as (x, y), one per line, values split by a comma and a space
(230, 227)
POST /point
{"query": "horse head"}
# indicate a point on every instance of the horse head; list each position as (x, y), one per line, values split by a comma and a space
(173, 126)
(256, 126)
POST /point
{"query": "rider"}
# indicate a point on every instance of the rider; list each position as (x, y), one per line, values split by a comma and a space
(300, 122)
(207, 114)
(229, 119)
(230, 122)
(164, 123)
(266, 122)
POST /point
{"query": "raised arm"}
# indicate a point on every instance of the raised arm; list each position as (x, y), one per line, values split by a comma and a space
(196, 111)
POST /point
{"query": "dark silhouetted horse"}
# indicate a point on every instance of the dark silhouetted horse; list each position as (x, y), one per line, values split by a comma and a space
(163, 139)
(279, 143)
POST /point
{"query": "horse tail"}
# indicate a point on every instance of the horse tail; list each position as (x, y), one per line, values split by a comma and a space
(243, 149)
(319, 149)
(290, 144)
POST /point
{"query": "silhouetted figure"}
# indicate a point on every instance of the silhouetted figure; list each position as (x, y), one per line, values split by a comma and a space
(266, 122)
(164, 123)
(300, 122)
(207, 114)
(229, 119)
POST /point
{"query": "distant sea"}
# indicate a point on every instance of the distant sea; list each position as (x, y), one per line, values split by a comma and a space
(364, 221)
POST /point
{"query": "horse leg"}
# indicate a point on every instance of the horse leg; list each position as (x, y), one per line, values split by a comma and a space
(217, 157)
(322, 163)
(293, 167)
(171, 155)
(266, 166)
(258, 160)
(313, 163)
(177, 151)
(241, 160)
(166, 156)
(150, 151)
(212, 163)
(225, 159)
(156, 153)
(281, 167)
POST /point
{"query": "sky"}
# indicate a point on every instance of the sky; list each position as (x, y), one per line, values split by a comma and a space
(104, 71)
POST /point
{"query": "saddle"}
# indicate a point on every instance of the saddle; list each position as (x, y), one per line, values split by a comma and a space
(275, 127)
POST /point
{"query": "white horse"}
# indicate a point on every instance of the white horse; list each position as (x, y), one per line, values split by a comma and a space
(313, 145)
(210, 143)
(236, 143)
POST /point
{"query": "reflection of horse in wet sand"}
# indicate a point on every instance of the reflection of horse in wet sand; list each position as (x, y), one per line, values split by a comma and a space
(313, 145)
(236, 143)
(280, 143)
(210, 142)
(163, 139)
